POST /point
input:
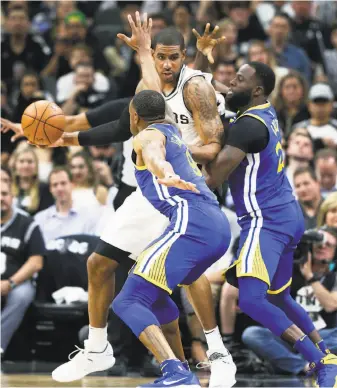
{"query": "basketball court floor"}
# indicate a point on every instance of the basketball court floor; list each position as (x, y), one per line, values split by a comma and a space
(45, 381)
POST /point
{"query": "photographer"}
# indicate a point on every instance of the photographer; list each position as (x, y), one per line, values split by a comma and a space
(314, 286)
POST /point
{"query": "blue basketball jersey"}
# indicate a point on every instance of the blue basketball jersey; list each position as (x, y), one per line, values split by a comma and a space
(259, 182)
(165, 198)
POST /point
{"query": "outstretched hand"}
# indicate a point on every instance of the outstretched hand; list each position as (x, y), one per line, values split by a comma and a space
(57, 143)
(207, 42)
(172, 180)
(141, 33)
(7, 125)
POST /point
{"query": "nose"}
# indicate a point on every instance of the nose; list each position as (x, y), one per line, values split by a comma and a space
(167, 65)
(232, 83)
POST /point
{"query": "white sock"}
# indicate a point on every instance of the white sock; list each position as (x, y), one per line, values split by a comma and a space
(214, 340)
(98, 338)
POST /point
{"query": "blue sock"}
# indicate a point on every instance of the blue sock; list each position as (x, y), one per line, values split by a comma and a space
(308, 350)
(322, 347)
(172, 366)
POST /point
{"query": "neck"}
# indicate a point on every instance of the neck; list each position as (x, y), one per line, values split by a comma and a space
(25, 182)
(6, 217)
(258, 101)
(318, 122)
(17, 39)
(278, 45)
(184, 29)
(64, 206)
(312, 206)
(295, 162)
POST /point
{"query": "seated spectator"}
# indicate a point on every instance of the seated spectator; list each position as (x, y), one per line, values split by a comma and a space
(327, 214)
(314, 287)
(326, 171)
(20, 50)
(65, 84)
(290, 102)
(62, 218)
(321, 126)
(258, 52)
(224, 72)
(299, 153)
(22, 250)
(287, 55)
(7, 146)
(246, 22)
(86, 190)
(6, 175)
(308, 193)
(227, 51)
(30, 91)
(29, 194)
(330, 60)
(84, 96)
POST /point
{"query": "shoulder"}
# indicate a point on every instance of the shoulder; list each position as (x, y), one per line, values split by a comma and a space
(43, 214)
(250, 123)
(197, 89)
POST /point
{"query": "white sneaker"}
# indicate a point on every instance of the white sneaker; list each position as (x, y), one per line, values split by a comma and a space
(222, 367)
(84, 363)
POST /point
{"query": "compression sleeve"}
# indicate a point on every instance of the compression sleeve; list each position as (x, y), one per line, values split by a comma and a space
(249, 135)
(109, 111)
(111, 132)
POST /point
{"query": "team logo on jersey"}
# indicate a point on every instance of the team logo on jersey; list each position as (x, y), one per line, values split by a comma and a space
(10, 242)
(274, 126)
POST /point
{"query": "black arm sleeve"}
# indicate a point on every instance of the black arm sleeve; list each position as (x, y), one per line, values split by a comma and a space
(249, 135)
(111, 132)
(109, 111)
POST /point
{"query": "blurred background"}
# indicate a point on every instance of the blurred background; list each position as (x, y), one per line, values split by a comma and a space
(68, 52)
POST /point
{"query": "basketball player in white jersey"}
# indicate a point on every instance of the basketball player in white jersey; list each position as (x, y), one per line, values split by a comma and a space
(192, 99)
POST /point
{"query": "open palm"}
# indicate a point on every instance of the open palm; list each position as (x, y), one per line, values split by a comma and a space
(207, 42)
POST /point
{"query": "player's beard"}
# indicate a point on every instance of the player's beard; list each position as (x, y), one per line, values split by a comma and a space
(238, 100)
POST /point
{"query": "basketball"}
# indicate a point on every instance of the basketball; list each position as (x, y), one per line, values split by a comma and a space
(43, 122)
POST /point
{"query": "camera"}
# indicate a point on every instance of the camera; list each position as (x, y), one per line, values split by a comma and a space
(305, 246)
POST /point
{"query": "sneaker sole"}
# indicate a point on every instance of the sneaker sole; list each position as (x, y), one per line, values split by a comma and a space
(79, 378)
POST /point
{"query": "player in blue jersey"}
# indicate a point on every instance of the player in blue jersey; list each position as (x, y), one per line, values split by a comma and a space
(270, 218)
(197, 236)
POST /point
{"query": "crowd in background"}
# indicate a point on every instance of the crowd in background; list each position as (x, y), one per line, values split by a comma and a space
(68, 52)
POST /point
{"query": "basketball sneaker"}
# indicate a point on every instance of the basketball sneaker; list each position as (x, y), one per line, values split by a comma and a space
(326, 371)
(180, 379)
(222, 367)
(84, 363)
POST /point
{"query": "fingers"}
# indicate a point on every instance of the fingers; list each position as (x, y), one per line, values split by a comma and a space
(196, 33)
(208, 26)
(123, 37)
(132, 24)
(221, 40)
(215, 31)
(16, 137)
(150, 26)
(210, 58)
(138, 21)
(145, 21)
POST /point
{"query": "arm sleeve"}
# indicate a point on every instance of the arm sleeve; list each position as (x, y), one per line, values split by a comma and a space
(111, 132)
(249, 135)
(35, 243)
(109, 111)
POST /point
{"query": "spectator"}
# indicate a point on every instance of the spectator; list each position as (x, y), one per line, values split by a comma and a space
(314, 287)
(330, 60)
(327, 214)
(30, 91)
(84, 95)
(7, 147)
(228, 50)
(62, 218)
(182, 22)
(260, 53)
(326, 171)
(65, 84)
(247, 23)
(30, 194)
(308, 193)
(287, 55)
(20, 50)
(224, 72)
(6, 175)
(290, 102)
(321, 126)
(22, 250)
(86, 190)
(299, 153)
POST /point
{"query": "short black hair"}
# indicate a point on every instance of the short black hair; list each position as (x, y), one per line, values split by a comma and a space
(58, 169)
(265, 75)
(305, 170)
(159, 15)
(169, 37)
(149, 105)
(284, 16)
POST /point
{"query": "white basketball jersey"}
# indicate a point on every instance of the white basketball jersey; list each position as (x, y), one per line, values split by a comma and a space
(182, 115)
(128, 171)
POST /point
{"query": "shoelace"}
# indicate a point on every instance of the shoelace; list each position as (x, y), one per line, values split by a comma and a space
(77, 350)
(218, 356)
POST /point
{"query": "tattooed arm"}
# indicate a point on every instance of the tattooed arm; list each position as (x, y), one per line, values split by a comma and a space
(199, 97)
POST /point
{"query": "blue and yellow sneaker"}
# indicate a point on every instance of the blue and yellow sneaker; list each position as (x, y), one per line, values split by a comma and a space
(326, 371)
(175, 374)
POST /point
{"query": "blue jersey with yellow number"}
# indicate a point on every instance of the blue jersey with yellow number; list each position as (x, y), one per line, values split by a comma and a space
(259, 182)
(164, 198)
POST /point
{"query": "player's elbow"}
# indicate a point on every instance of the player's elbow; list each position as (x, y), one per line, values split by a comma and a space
(331, 307)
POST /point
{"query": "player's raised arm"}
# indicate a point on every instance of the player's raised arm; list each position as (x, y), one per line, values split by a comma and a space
(149, 145)
(199, 97)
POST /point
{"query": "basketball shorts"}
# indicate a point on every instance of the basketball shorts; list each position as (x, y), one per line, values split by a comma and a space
(131, 228)
(198, 235)
(267, 246)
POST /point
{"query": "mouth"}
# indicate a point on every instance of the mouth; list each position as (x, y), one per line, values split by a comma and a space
(167, 73)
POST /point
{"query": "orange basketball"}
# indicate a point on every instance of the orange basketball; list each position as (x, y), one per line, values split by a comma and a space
(43, 122)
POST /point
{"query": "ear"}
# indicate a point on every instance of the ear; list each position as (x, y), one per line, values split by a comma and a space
(184, 54)
(258, 91)
(152, 52)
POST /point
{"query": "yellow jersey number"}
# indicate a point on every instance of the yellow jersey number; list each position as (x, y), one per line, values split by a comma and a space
(192, 163)
(279, 153)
